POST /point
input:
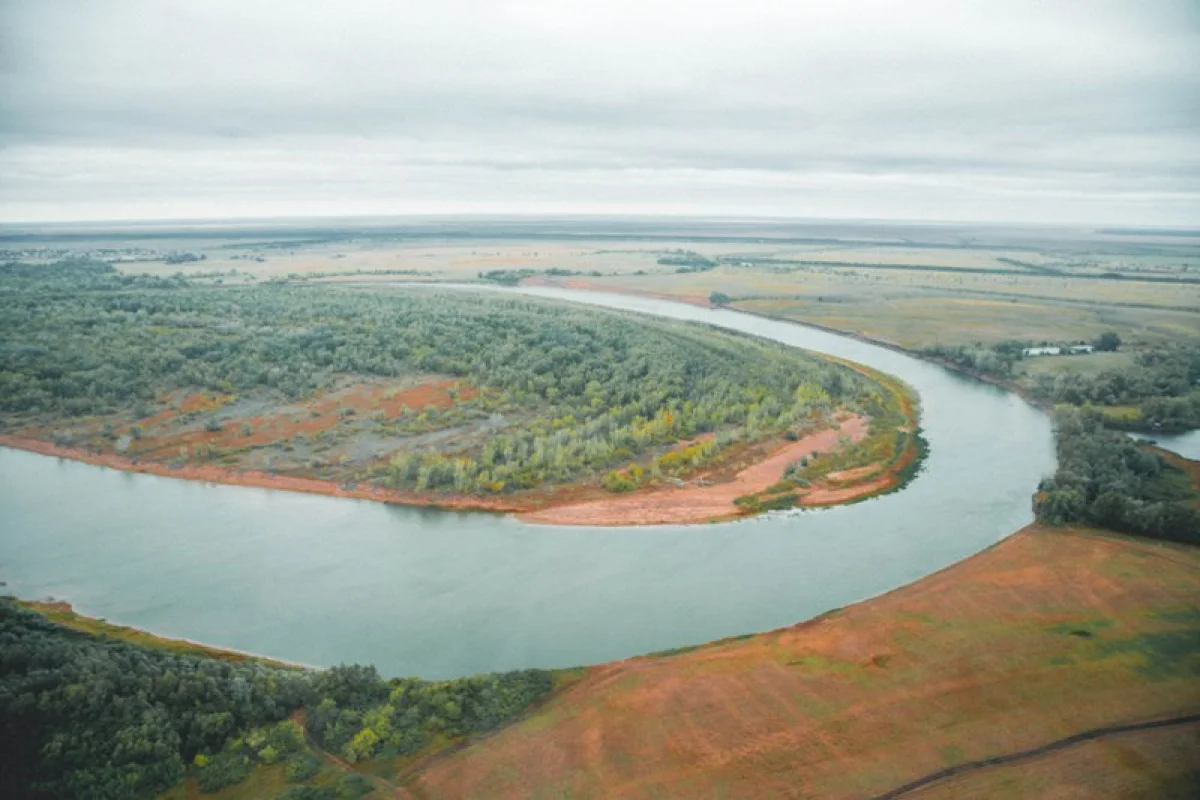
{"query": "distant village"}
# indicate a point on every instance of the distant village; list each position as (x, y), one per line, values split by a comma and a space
(1055, 350)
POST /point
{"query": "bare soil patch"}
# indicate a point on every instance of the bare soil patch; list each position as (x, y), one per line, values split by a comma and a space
(688, 504)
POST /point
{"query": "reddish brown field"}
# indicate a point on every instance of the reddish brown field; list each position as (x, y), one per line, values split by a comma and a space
(1047, 634)
(1157, 764)
(317, 414)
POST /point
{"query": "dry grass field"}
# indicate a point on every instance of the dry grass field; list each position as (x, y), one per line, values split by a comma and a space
(917, 309)
(914, 288)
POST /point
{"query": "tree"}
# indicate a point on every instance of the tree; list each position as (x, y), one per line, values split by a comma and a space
(720, 299)
(1107, 342)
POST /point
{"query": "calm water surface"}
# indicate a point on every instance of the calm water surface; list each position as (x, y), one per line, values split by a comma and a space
(1185, 444)
(324, 581)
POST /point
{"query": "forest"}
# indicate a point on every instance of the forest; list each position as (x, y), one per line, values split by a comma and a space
(1157, 393)
(565, 392)
(1106, 479)
(85, 716)
(1162, 385)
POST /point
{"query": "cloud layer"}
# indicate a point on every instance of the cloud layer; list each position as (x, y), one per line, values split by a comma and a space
(1065, 112)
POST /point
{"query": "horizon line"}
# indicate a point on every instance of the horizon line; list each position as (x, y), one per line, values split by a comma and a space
(577, 215)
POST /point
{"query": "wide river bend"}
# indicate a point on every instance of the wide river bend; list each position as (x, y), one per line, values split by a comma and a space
(323, 580)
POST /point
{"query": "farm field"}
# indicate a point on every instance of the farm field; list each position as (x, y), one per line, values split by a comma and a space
(913, 310)
(1047, 634)
(915, 286)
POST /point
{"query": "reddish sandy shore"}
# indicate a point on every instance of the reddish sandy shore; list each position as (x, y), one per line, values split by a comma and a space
(689, 504)
(654, 506)
(264, 480)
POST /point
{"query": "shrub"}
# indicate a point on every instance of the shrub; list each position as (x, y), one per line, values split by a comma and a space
(301, 767)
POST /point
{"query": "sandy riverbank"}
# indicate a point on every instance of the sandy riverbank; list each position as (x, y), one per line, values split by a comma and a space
(265, 480)
(654, 505)
(671, 505)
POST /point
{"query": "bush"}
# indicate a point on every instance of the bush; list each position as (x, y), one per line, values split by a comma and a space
(352, 786)
(223, 769)
(307, 793)
(301, 767)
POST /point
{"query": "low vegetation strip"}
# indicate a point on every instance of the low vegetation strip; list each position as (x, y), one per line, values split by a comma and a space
(62, 614)
(1024, 269)
(1034, 752)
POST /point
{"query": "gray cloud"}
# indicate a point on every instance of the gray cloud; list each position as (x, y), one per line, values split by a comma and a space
(1072, 111)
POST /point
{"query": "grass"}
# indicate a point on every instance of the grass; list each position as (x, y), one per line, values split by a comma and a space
(916, 309)
(1090, 365)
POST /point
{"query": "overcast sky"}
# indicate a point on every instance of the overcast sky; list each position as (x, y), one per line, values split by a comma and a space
(1010, 111)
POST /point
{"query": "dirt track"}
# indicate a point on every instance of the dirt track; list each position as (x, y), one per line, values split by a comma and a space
(1034, 752)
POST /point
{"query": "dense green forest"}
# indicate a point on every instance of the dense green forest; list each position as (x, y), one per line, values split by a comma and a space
(998, 359)
(82, 716)
(1104, 478)
(1162, 384)
(568, 391)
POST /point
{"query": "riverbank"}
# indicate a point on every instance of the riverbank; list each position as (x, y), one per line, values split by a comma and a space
(682, 505)
(62, 613)
(1047, 640)
(563, 505)
(262, 480)
(1050, 634)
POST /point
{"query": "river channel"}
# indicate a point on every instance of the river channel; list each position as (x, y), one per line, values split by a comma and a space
(322, 580)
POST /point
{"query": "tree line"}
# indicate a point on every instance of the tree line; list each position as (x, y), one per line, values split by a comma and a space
(85, 716)
(1105, 478)
(1162, 384)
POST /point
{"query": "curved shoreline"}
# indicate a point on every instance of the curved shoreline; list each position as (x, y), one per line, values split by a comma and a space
(604, 511)
(61, 612)
(693, 300)
(259, 480)
(822, 542)
(668, 505)
(556, 507)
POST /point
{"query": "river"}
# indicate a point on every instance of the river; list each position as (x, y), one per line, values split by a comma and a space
(1186, 444)
(324, 581)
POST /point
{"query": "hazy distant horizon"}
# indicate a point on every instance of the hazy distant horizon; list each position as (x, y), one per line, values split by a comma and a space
(231, 222)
